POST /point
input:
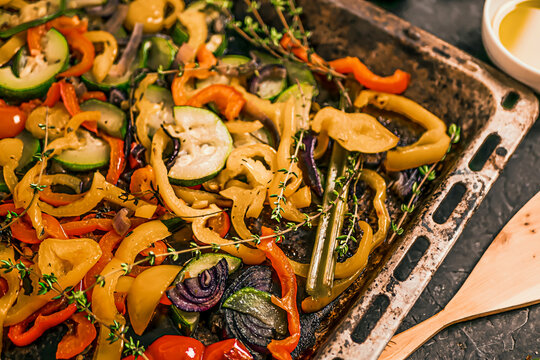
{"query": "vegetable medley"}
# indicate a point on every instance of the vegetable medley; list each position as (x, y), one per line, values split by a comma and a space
(164, 165)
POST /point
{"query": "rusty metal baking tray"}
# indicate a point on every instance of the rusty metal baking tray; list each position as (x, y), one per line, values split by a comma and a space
(494, 111)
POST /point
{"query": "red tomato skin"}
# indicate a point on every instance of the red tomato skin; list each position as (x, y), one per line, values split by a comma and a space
(176, 347)
(230, 349)
(12, 120)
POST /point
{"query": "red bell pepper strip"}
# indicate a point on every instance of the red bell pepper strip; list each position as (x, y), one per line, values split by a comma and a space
(69, 97)
(220, 223)
(281, 349)
(7, 207)
(107, 243)
(300, 51)
(80, 43)
(394, 84)
(58, 199)
(117, 162)
(53, 95)
(4, 287)
(227, 99)
(230, 349)
(24, 232)
(120, 301)
(98, 95)
(86, 226)
(33, 39)
(158, 248)
(165, 299)
(53, 228)
(50, 315)
(74, 342)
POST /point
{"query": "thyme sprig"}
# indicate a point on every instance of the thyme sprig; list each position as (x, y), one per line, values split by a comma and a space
(428, 174)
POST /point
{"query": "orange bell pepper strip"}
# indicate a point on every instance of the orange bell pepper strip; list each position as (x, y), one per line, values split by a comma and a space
(281, 349)
(98, 95)
(300, 51)
(394, 84)
(75, 341)
(86, 226)
(66, 24)
(24, 232)
(80, 43)
(71, 102)
(33, 39)
(53, 95)
(158, 248)
(53, 228)
(143, 184)
(117, 162)
(206, 60)
(179, 83)
(7, 207)
(48, 316)
(58, 199)
(227, 99)
(120, 301)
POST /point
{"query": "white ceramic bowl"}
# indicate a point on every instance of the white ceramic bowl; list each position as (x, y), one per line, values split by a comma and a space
(505, 60)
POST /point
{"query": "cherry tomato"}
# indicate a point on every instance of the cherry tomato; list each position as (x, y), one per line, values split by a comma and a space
(220, 223)
(12, 120)
(176, 347)
(230, 349)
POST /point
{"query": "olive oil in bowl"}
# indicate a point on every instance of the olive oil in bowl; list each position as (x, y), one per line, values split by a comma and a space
(519, 30)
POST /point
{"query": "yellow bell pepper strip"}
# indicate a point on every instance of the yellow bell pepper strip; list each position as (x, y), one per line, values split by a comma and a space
(281, 349)
(104, 61)
(242, 127)
(284, 161)
(10, 47)
(13, 286)
(68, 260)
(139, 239)
(301, 198)
(208, 236)
(395, 84)
(195, 23)
(120, 197)
(145, 293)
(151, 14)
(23, 197)
(177, 205)
(244, 199)
(432, 145)
(260, 108)
(354, 131)
(81, 206)
(10, 154)
(351, 268)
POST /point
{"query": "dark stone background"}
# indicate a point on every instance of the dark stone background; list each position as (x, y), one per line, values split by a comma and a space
(510, 335)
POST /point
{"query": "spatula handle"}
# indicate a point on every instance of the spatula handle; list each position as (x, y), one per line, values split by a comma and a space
(405, 343)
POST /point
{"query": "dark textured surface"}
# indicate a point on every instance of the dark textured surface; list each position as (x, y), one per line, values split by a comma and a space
(511, 335)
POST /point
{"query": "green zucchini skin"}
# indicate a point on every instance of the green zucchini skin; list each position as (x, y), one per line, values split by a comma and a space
(36, 83)
(113, 120)
(25, 26)
(93, 155)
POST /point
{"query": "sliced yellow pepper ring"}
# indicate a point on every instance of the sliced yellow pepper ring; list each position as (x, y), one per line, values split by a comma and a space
(242, 127)
(10, 154)
(145, 293)
(204, 234)
(377, 183)
(68, 260)
(13, 281)
(354, 131)
(262, 108)
(432, 145)
(195, 23)
(244, 199)
(104, 61)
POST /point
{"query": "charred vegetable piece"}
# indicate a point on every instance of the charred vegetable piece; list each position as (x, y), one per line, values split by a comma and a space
(258, 304)
(202, 292)
(185, 321)
(271, 81)
(308, 165)
(195, 266)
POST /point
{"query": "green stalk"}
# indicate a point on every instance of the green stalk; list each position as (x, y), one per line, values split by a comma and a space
(323, 260)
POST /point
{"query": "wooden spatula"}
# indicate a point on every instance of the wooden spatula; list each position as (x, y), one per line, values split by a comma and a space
(505, 278)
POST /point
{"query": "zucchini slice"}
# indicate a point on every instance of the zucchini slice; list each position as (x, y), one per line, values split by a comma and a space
(185, 321)
(113, 120)
(38, 73)
(205, 145)
(31, 147)
(108, 83)
(158, 52)
(92, 155)
(195, 266)
(159, 95)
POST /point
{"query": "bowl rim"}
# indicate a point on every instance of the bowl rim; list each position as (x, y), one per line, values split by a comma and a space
(487, 19)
